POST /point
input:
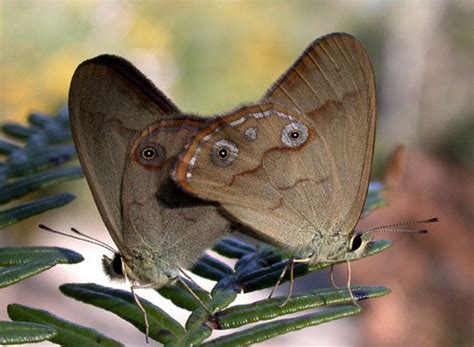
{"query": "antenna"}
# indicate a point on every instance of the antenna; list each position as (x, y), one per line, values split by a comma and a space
(85, 238)
(395, 227)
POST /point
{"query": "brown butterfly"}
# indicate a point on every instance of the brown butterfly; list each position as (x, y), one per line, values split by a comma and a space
(127, 135)
(295, 166)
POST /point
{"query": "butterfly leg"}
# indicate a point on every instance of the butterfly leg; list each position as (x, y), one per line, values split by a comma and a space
(145, 316)
(137, 301)
(292, 281)
(185, 285)
(280, 278)
(292, 278)
(188, 277)
(354, 300)
(333, 282)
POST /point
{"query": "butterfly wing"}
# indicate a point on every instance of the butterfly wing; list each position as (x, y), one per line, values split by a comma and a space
(174, 226)
(333, 84)
(110, 102)
(294, 196)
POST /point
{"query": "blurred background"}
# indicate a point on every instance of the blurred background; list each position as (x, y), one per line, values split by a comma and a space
(209, 56)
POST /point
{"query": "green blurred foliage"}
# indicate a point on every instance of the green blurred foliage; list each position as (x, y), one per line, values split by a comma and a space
(209, 56)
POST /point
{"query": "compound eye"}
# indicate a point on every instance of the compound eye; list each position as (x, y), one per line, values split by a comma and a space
(356, 242)
(224, 152)
(294, 134)
(150, 154)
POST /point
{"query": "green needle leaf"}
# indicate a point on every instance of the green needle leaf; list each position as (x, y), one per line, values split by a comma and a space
(181, 297)
(233, 248)
(12, 333)
(16, 273)
(23, 262)
(17, 131)
(32, 183)
(21, 212)
(24, 255)
(39, 119)
(7, 147)
(267, 309)
(163, 328)
(68, 334)
(211, 268)
(198, 325)
(268, 276)
(39, 158)
(375, 247)
(266, 331)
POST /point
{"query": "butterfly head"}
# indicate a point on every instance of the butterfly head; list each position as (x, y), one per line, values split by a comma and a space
(113, 267)
(140, 268)
(336, 249)
(357, 245)
(359, 242)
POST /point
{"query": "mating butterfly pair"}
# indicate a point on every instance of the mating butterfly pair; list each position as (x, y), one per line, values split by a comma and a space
(293, 167)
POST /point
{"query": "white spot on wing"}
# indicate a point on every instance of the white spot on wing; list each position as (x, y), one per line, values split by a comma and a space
(251, 133)
(238, 121)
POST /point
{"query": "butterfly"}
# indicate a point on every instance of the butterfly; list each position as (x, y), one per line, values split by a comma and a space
(127, 135)
(294, 167)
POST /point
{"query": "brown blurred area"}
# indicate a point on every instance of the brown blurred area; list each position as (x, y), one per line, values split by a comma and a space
(431, 275)
(210, 56)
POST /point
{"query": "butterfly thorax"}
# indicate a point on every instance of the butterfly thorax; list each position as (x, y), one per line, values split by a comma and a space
(327, 248)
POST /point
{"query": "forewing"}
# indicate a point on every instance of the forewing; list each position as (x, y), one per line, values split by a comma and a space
(110, 102)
